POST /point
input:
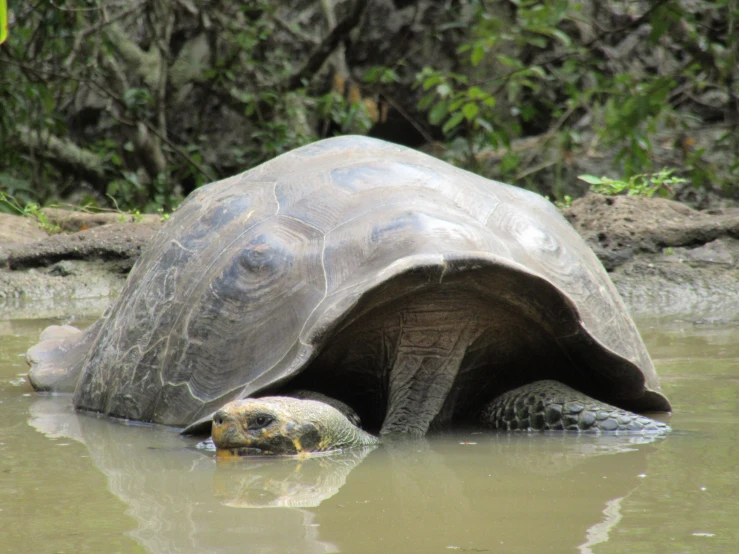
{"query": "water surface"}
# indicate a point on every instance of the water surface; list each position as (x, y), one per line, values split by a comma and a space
(78, 483)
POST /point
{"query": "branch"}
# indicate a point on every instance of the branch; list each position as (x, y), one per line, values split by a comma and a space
(404, 114)
(115, 98)
(63, 152)
(165, 17)
(145, 64)
(297, 33)
(600, 36)
(341, 69)
(82, 35)
(327, 46)
(706, 55)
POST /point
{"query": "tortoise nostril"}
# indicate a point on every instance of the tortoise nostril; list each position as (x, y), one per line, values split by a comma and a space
(218, 418)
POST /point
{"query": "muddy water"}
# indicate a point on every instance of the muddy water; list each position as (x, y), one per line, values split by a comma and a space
(75, 483)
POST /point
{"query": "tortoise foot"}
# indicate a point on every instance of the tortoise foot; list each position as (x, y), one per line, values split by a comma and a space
(550, 405)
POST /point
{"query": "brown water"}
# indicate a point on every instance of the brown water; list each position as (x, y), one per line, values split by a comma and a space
(75, 483)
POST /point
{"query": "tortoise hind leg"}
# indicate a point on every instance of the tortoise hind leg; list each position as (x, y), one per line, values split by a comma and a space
(56, 360)
(550, 405)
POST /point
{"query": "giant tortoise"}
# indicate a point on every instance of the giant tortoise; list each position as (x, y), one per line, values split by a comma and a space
(412, 291)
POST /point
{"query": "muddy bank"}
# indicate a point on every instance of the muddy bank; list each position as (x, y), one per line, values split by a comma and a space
(89, 262)
(665, 257)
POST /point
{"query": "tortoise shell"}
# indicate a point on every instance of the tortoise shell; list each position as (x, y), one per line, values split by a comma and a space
(251, 278)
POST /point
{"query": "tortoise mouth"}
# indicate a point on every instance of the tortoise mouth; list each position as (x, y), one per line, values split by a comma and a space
(228, 433)
(238, 443)
(237, 453)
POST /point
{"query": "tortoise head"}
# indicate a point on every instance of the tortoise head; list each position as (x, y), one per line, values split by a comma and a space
(275, 425)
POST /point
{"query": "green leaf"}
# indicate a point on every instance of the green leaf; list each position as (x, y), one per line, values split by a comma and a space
(528, 112)
(475, 92)
(662, 19)
(470, 110)
(453, 121)
(562, 37)
(509, 162)
(457, 104)
(372, 74)
(508, 61)
(438, 112)
(536, 70)
(3, 21)
(431, 81)
(443, 90)
(539, 42)
(426, 101)
(389, 76)
(478, 53)
(590, 179)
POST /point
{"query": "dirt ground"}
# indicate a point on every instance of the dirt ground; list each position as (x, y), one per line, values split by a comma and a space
(664, 257)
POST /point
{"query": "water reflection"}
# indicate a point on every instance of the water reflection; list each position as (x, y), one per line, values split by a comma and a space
(169, 486)
(283, 481)
(503, 494)
(484, 492)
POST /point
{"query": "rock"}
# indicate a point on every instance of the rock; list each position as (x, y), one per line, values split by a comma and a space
(87, 279)
(39, 269)
(718, 251)
(620, 227)
(120, 241)
(665, 258)
(16, 230)
(65, 268)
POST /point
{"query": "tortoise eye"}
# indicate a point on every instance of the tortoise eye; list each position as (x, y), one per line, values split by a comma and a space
(261, 420)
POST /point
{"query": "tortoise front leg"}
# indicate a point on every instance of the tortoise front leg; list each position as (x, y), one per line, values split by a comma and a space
(427, 358)
(551, 405)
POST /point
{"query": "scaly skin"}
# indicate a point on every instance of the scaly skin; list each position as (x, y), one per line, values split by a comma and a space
(550, 405)
(281, 425)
